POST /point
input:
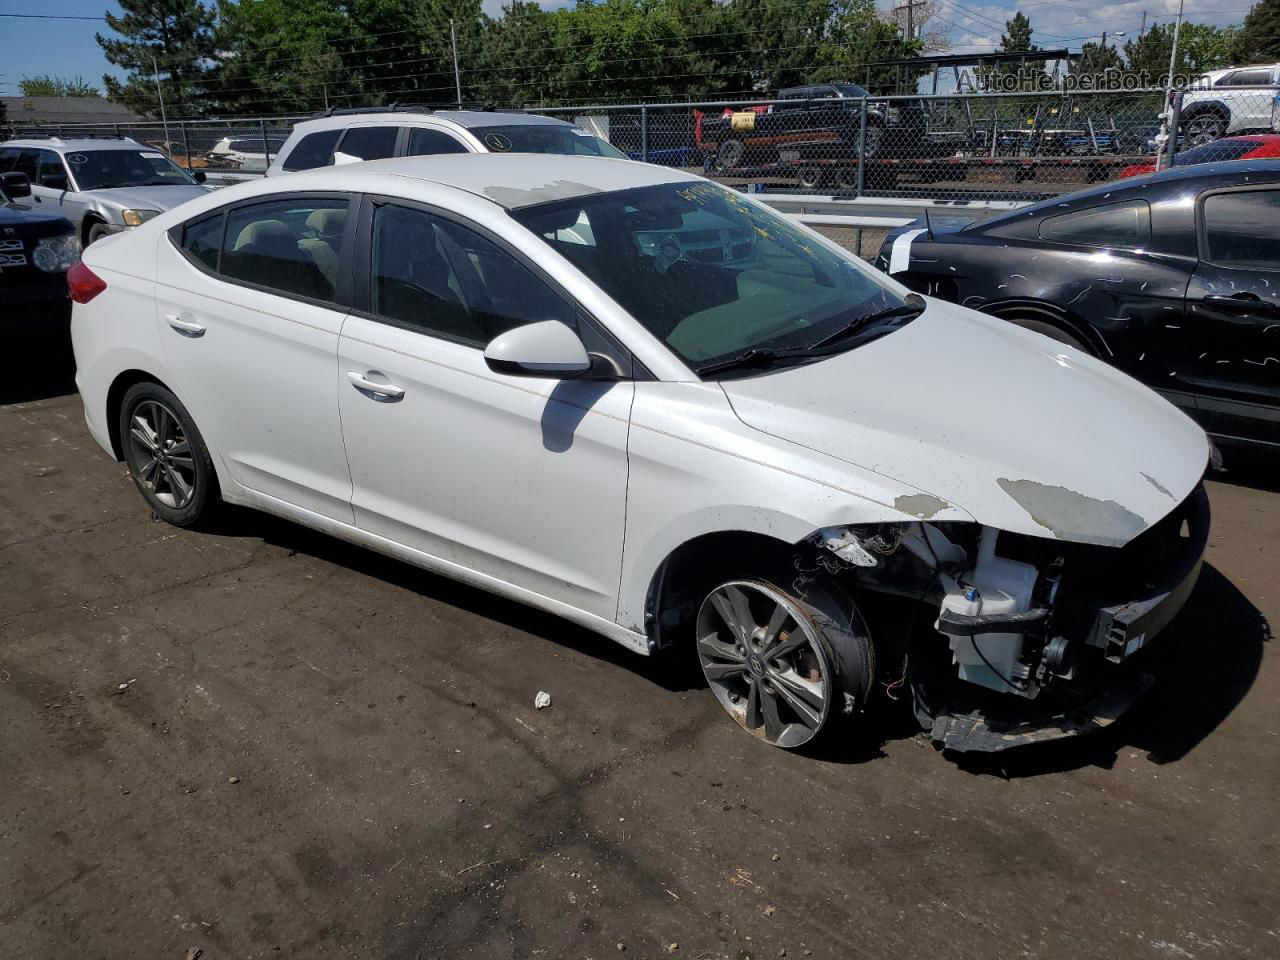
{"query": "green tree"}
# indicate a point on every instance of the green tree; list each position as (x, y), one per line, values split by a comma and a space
(1015, 39)
(45, 85)
(1259, 40)
(173, 38)
(1201, 47)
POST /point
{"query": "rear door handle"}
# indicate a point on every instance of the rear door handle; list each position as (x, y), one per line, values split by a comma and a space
(384, 392)
(188, 328)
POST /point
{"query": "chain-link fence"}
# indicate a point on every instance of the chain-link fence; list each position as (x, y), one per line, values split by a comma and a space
(823, 140)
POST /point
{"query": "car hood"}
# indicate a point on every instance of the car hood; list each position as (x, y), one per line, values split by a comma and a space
(30, 223)
(150, 198)
(1022, 433)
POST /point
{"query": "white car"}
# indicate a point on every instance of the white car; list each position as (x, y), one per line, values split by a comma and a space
(351, 135)
(484, 366)
(1234, 100)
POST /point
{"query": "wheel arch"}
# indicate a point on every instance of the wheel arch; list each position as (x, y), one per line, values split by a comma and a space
(676, 586)
(1047, 313)
(115, 399)
(87, 223)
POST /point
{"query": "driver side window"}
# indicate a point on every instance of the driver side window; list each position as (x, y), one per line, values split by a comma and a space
(441, 278)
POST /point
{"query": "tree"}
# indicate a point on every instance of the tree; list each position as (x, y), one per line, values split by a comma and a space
(1019, 75)
(1259, 40)
(171, 37)
(50, 86)
(1201, 47)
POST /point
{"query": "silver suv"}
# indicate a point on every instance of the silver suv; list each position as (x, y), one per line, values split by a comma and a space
(1233, 100)
(349, 136)
(101, 186)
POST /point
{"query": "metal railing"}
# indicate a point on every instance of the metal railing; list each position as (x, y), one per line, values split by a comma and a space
(992, 147)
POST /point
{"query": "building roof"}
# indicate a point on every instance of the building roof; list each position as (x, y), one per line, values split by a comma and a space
(24, 110)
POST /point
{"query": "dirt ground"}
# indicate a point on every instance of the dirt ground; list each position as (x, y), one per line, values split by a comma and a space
(318, 752)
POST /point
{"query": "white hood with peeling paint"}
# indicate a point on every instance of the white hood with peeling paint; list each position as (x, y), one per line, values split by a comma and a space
(1024, 434)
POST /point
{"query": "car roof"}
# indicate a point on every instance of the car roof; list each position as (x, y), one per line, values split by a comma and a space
(511, 180)
(85, 143)
(1222, 173)
(464, 118)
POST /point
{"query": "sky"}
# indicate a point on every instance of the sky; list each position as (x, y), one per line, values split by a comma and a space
(66, 47)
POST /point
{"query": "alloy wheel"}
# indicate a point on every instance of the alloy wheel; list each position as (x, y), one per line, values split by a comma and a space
(765, 662)
(1202, 130)
(160, 454)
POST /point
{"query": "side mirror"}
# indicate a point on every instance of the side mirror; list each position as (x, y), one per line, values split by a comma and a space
(545, 349)
(54, 181)
(199, 176)
(15, 184)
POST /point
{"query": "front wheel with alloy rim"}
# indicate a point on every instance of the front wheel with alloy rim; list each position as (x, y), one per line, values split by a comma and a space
(783, 668)
(1203, 128)
(166, 455)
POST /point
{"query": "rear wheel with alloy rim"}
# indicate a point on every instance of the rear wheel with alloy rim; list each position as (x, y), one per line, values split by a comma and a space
(780, 666)
(166, 455)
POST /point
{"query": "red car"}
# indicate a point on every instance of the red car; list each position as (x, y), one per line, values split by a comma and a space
(1251, 147)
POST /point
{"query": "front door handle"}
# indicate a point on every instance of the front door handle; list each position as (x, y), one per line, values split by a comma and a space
(384, 392)
(188, 328)
(1242, 303)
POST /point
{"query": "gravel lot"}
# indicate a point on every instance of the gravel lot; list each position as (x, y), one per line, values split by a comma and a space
(322, 753)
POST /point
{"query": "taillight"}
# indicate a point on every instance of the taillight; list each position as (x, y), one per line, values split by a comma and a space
(83, 284)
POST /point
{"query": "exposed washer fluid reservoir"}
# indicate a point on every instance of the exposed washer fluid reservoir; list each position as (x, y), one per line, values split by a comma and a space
(996, 585)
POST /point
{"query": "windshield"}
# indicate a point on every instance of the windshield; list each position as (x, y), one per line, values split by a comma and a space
(707, 272)
(537, 138)
(101, 169)
(850, 90)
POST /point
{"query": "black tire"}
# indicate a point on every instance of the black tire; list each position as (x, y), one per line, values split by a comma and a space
(1202, 128)
(811, 178)
(1050, 330)
(96, 233)
(730, 156)
(166, 455)
(828, 649)
(873, 145)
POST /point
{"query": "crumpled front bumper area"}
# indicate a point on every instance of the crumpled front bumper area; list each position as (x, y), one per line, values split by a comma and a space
(1107, 635)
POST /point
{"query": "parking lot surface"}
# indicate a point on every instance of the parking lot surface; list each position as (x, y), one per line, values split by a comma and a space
(257, 741)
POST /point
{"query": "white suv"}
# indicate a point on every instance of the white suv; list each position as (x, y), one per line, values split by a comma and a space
(1233, 100)
(349, 136)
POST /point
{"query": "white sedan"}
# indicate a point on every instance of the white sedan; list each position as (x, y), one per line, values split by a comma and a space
(655, 407)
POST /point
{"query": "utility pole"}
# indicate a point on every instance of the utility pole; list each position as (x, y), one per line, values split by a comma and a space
(1143, 29)
(155, 71)
(457, 77)
(910, 7)
(1170, 144)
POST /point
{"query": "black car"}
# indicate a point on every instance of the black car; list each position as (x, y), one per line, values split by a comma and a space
(36, 250)
(817, 123)
(1173, 277)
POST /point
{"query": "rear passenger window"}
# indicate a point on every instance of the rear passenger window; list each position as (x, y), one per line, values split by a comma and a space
(369, 143)
(313, 150)
(446, 280)
(1242, 227)
(423, 142)
(290, 246)
(1110, 225)
(203, 240)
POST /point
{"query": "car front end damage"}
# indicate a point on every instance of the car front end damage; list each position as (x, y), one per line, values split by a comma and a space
(1028, 638)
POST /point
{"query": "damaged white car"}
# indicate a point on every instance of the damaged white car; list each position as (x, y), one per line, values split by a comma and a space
(659, 409)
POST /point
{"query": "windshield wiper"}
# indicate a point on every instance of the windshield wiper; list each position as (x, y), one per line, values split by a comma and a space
(912, 308)
(755, 357)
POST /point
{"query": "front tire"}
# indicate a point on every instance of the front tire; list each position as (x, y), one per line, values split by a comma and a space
(96, 233)
(1203, 128)
(784, 667)
(166, 455)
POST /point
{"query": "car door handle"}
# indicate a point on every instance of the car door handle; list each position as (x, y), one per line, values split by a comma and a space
(384, 392)
(188, 328)
(1242, 302)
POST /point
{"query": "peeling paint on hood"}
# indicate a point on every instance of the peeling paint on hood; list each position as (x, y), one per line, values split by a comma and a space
(1021, 432)
(1072, 516)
